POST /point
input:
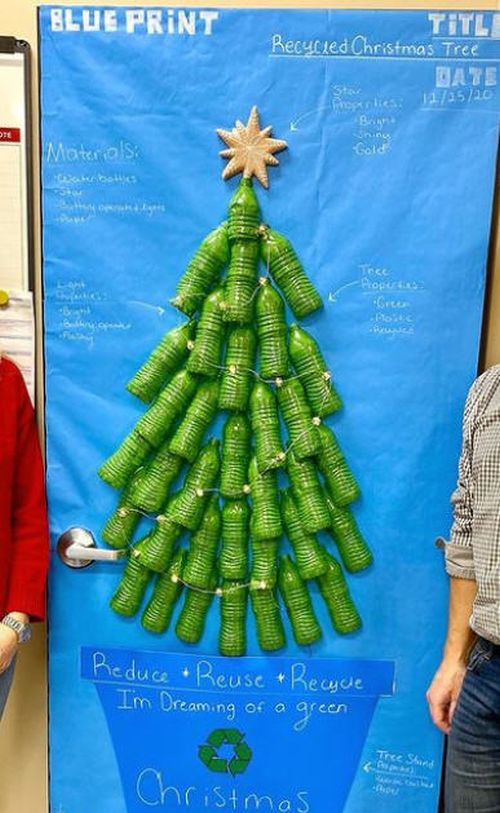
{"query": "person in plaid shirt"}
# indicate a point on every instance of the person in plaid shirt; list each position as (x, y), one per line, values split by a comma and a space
(464, 697)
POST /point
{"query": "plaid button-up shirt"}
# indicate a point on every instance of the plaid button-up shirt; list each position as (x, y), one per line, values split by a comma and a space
(473, 551)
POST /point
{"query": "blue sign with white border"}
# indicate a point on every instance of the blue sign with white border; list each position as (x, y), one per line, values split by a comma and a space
(385, 191)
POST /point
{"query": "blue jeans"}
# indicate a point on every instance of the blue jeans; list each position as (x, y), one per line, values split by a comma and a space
(472, 780)
(5, 683)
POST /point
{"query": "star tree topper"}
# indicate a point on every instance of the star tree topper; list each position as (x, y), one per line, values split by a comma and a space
(250, 149)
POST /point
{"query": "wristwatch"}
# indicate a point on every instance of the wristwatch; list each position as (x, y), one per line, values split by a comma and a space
(23, 630)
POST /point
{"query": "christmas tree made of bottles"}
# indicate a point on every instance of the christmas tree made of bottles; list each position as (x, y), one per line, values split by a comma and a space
(219, 535)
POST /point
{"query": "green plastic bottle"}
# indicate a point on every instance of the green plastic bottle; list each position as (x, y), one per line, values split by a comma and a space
(309, 554)
(168, 588)
(339, 479)
(130, 592)
(200, 479)
(333, 587)
(203, 547)
(203, 271)
(314, 374)
(268, 622)
(165, 359)
(244, 213)
(353, 549)
(286, 269)
(306, 629)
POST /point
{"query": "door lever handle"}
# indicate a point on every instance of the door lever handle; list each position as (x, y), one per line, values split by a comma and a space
(77, 548)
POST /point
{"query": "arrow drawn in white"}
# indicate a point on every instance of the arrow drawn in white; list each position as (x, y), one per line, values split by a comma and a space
(294, 124)
(159, 310)
(333, 295)
(369, 768)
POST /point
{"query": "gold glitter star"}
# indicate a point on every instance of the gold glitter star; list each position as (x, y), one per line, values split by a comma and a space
(250, 149)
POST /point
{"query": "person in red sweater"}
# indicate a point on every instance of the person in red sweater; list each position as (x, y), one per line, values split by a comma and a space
(24, 541)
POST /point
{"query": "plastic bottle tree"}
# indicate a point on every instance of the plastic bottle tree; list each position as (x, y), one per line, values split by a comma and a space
(241, 501)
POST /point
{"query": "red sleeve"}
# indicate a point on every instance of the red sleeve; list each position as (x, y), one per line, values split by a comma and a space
(30, 538)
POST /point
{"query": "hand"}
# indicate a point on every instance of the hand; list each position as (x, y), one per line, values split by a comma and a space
(8, 646)
(442, 695)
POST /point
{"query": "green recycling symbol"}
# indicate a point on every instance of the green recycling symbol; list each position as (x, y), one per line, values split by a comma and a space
(237, 763)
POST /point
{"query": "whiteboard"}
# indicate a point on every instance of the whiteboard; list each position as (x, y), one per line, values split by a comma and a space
(15, 148)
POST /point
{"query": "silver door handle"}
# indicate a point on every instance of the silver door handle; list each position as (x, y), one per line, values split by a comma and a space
(77, 548)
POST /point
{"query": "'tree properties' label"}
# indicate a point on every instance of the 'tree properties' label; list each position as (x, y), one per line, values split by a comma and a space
(392, 299)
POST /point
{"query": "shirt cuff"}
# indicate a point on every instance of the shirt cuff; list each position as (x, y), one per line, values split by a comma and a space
(459, 561)
(25, 602)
